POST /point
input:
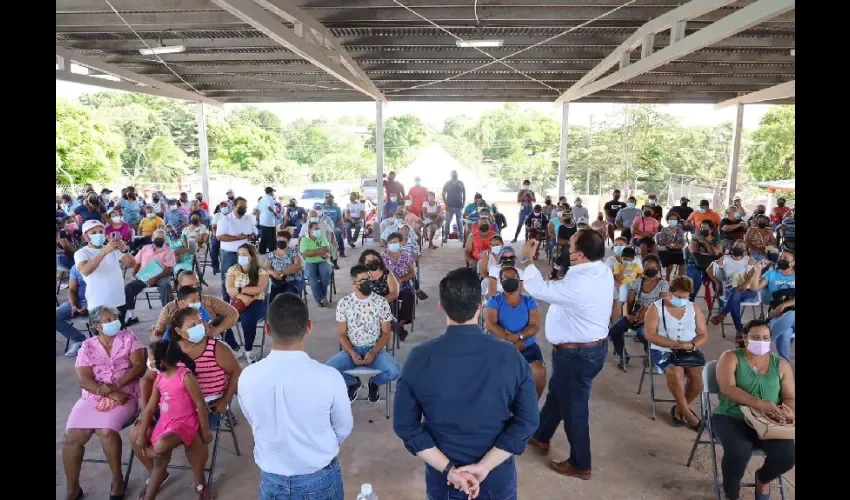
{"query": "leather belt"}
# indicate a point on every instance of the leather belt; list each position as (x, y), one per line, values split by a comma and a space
(577, 345)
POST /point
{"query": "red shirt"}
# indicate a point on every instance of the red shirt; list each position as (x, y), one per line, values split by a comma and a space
(205, 206)
(418, 195)
(779, 214)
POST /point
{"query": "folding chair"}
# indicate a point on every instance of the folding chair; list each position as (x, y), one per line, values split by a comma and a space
(752, 304)
(230, 422)
(709, 387)
(648, 367)
(129, 462)
(149, 292)
(86, 332)
(64, 275)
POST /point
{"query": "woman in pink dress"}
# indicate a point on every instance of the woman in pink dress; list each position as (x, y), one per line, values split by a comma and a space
(108, 367)
(182, 413)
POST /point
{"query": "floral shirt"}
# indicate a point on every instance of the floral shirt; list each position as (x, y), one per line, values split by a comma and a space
(109, 368)
(279, 263)
(363, 318)
(399, 267)
(667, 236)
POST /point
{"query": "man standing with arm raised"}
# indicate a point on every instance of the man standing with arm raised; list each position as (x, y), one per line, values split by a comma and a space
(472, 429)
(577, 328)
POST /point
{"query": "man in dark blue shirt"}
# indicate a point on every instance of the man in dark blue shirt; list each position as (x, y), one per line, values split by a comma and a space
(478, 394)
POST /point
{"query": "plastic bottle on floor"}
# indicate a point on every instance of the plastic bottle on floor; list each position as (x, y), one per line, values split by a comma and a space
(366, 492)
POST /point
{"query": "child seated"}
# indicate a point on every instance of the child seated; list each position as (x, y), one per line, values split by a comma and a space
(625, 272)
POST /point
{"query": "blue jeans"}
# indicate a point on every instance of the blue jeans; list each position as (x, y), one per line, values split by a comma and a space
(696, 275)
(228, 260)
(325, 484)
(65, 261)
(340, 243)
(63, 316)
(573, 371)
(733, 304)
(319, 276)
(215, 245)
(457, 213)
(249, 319)
(500, 484)
(384, 361)
(357, 226)
(617, 333)
(782, 329)
(524, 212)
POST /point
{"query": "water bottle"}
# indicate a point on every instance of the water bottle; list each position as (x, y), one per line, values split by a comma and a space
(366, 492)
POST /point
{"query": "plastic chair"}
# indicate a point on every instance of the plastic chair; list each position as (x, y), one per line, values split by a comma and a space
(752, 304)
(709, 387)
(649, 367)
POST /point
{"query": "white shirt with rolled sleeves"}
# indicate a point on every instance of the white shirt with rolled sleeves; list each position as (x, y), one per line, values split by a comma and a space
(580, 307)
(267, 218)
(298, 410)
(233, 226)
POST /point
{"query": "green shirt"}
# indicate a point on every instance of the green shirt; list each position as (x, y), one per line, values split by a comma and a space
(763, 386)
(308, 244)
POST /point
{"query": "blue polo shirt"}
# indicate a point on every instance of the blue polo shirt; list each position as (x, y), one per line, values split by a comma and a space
(86, 214)
(333, 212)
(391, 207)
(175, 218)
(513, 319)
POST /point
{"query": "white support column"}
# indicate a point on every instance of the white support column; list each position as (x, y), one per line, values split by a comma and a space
(734, 156)
(562, 165)
(379, 154)
(203, 152)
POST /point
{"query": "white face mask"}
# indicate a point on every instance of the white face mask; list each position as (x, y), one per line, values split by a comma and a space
(116, 220)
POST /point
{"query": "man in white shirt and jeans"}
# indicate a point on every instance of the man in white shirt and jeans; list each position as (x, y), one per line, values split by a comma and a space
(232, 231)
(298, 410)
(100, 264)
(265, 207)
(577, 328)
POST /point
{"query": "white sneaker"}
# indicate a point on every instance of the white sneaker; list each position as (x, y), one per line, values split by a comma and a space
(249, 357)
(240, 352)
(73, 348)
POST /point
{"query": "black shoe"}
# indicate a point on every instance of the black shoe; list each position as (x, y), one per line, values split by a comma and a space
(402, 334)
(131, 322)
(374, 396)
(353, 390)
(342, 254)
(422, 295)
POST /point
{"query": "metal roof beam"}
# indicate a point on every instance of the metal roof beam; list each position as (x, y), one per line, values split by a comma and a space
(740, 20)
(68, 76)
(309, 39)
(782, 91)
(96, 64)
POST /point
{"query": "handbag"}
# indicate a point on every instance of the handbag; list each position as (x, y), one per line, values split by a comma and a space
(681, 357)
(238, 304)
(766, 427)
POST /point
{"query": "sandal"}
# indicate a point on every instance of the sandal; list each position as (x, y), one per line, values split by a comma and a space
(145, 487)
(203, 492)
(677, 422)
(716, 319)
(696, 426)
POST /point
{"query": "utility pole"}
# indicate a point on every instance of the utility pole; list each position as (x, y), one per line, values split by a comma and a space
(590, 154)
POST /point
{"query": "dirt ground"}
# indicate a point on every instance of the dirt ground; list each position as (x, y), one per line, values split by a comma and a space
(634, 456)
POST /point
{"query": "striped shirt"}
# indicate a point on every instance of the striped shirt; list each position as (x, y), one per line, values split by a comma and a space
(211, 377)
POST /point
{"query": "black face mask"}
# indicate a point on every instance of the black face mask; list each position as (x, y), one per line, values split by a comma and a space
(196, 221)
(241, 211)
(508, 262)
(199, 198)
(510, 285)
(647, 213)
(155, 199)
(760, 212)
(292, 204)
(373, 265)
(737, 251)
(365, 288)
(780, 204)
(782, 264)
(230, 197)
(548, 202)
(650, 272)
(94, 202)
(685, 204)
(705, 233)
(616, 197)
(282, 244)
(158, 242)
(762, 225)
(484, 228)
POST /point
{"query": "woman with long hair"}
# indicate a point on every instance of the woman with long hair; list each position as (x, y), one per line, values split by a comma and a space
(247, 283)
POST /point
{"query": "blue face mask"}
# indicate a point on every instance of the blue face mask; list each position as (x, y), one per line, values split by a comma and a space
(618, 250)
(243, 260)
(112, 328)
(496, 249)
(97, 239)
(678, 301)
(314, 219)
(672, 222)
(394, 247)
(630, 204)
(399, 222)
(317, 233)
(197, 333)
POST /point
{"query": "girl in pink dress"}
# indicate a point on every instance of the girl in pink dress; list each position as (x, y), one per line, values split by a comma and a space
(182, 413)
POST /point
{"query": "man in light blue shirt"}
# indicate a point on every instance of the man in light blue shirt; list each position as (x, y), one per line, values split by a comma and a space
(175, 217)
(267, 222)
(334, 213)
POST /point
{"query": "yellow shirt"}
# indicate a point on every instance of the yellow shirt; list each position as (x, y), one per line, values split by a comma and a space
(148, 226)
(630, 272)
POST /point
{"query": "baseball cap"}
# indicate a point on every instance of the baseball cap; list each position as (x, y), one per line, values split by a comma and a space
(105, 191)
(653, 196)
(582, 220)
(685, 198)
(90, 224)
(505, 249)
(229, 191)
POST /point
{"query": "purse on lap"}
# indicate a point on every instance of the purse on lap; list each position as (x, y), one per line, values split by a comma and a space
(766, 427)
(681, 357)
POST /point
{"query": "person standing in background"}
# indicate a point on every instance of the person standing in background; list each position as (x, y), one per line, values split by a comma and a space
(612, 208)
(527, 199)
(579, 210)
(683, 211)
(267, 221)
(657, 211)
(393, 187)
(454, 199)
(418, 195)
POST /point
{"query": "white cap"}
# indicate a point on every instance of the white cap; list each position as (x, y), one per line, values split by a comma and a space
(89, 224)
(581, 220)
(365, 489)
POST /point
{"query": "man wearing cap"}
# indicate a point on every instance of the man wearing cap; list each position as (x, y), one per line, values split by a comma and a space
(418, 195)
(265, 207)
(704, 213)
(334, 213)
(100, 263)
(579, 210)
(231, 199)
(683, 210)
(174, 216)
(737, 204)
(294, 217)
(657, 211)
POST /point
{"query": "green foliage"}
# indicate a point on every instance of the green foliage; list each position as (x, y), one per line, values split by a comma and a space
(241, 149)
(252, 115)
(85, 146)
(771, 156)
(402, 135)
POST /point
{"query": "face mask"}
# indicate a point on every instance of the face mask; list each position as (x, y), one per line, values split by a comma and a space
(780, 204)
(704, 232)
(292, 204)
(684, 203)
(408, 203)
(199, 198)
(672, 222)
(496, 249)
(365, 288)
(111, 329)
(172, 207)
(762, 225)
(618, 250)
(317, 233)
(484, 228)
(616, 197)
(225, 210)
(197, 333)
(702, 210)
(195, 305)
(196, 221)
(537, 212)
(70, 227)
(630, 204)
(647, 213)
(158, 242)
(431, 199)
(510, 285)
(737, 251)
(94, 202)
(559, 214)
(738, 215)
(116, 220)
(156, 199)
(241, 211)
(393, 199)
(150, 215)
(678, 301)
(578, 204)
(548, 202)
(508, 262)
(282, 244)
(783, 264)
(652, 202)
(650, 272)
(230, 197)
(399, 222)
(373, 265)
(418, 183)
(758, 347)
(319, 212)
(314, 219)
(760, 211)
(97, 239)
(394, 247)
(243, 260)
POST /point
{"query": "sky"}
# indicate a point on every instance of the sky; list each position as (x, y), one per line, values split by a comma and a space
(434, 113)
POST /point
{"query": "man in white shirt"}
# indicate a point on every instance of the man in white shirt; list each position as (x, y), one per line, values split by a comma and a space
(232, 231)
(580, 211)
(297, 409)
(577, 328)
(100, 264)
(353, 214)
(266, 207)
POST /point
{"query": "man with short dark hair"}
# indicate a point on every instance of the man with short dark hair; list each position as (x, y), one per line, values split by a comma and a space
(232, 231)
(266, 208)
(454, 199)
(683, 210)
(612, 208)
(577, 327)
(393, 187)
(626, 217)
(297, 409)
(474, 427)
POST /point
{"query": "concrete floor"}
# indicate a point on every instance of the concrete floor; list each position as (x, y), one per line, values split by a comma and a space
(634, 456)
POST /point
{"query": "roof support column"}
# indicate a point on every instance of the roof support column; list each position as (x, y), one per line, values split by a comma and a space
(562, 164)
(203, 151)
(379, 154)
(734, 155)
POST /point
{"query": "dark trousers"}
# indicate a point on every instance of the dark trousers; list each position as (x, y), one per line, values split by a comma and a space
(340, 242)
(739, 440)
(573, 371)
(268, 235)
(500, 483)
(228, 260)
(279, 287)
(215, 245)
(618, 331)
(135, 287)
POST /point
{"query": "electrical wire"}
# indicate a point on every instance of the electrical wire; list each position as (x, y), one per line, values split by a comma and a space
(499, 60)
(475, 11)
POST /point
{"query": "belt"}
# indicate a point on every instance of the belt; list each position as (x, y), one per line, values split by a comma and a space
(577, 345)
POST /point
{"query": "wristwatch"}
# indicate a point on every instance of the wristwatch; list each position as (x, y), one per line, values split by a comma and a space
(449, 467)
(239, 289)
(521, 337)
